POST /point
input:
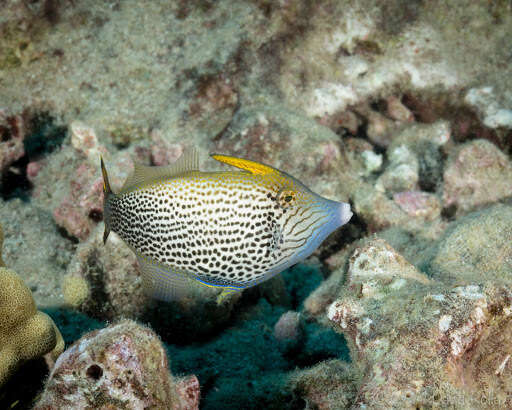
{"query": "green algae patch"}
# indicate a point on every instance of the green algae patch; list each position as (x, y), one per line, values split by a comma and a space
(477, 247)
(10, 60)
(247, 352)
(300, 280)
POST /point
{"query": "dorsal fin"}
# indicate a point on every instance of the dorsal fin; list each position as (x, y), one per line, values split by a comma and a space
(245, 164)
(142, 174)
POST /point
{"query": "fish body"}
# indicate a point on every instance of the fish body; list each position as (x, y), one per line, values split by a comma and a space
(230, 229)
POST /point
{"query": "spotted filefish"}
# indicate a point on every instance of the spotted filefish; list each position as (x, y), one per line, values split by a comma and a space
(230, 229)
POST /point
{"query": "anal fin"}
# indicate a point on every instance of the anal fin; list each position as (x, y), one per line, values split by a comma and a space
(162, 282)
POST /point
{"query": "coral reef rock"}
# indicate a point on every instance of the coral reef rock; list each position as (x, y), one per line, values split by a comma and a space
(477, 247)
(318, 301)
(402, 173)
(104, 280)
(477, 174)
(121, 366)
(85, 141)
(377, 263)
(420, 342)
(328, 385)
(189, 393)
(12, 134)
(398, 111)
(419, 204)
(494, 114)
(35, 249)
(376, 210)
(1, 245)
(288, 326)
(69, 187)
(68, 183)
(79, 211)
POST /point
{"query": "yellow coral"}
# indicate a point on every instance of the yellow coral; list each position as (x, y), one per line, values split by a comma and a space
(25, 333)
(75, 290)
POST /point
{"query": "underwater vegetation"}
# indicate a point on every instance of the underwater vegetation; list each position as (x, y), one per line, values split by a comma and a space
(400, 110)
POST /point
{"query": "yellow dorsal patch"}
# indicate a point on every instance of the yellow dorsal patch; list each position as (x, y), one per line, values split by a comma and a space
(245, 164)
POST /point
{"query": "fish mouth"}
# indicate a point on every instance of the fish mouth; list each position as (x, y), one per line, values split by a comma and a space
(339, 213)
(344, 213)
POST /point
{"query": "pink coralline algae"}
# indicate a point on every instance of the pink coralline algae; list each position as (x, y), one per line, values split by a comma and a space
(82, 207)
(346, 120)
(121, 366)
(78, 211)
(163, 152)
(380, 128)
(418, 204)
(214, 94)
(33, 169)
(189, 393)
(398, 111)
(85, 141)
(479, 173)
(331, 155)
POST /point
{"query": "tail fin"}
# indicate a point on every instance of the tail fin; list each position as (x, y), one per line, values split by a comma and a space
(106, 209)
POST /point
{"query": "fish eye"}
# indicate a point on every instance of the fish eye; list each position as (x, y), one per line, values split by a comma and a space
(285, 198)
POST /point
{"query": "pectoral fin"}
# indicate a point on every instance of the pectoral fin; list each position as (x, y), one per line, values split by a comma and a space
(162, 282)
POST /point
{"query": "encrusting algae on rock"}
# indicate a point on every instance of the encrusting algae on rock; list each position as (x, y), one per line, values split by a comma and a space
(25, 332)
(122, 366)
(1, 244)
(75, 290)
(228, 229)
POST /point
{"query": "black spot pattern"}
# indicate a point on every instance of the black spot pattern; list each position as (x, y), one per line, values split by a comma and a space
(226, 228)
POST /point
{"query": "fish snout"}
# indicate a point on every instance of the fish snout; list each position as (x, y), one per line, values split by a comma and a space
(344, 213)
